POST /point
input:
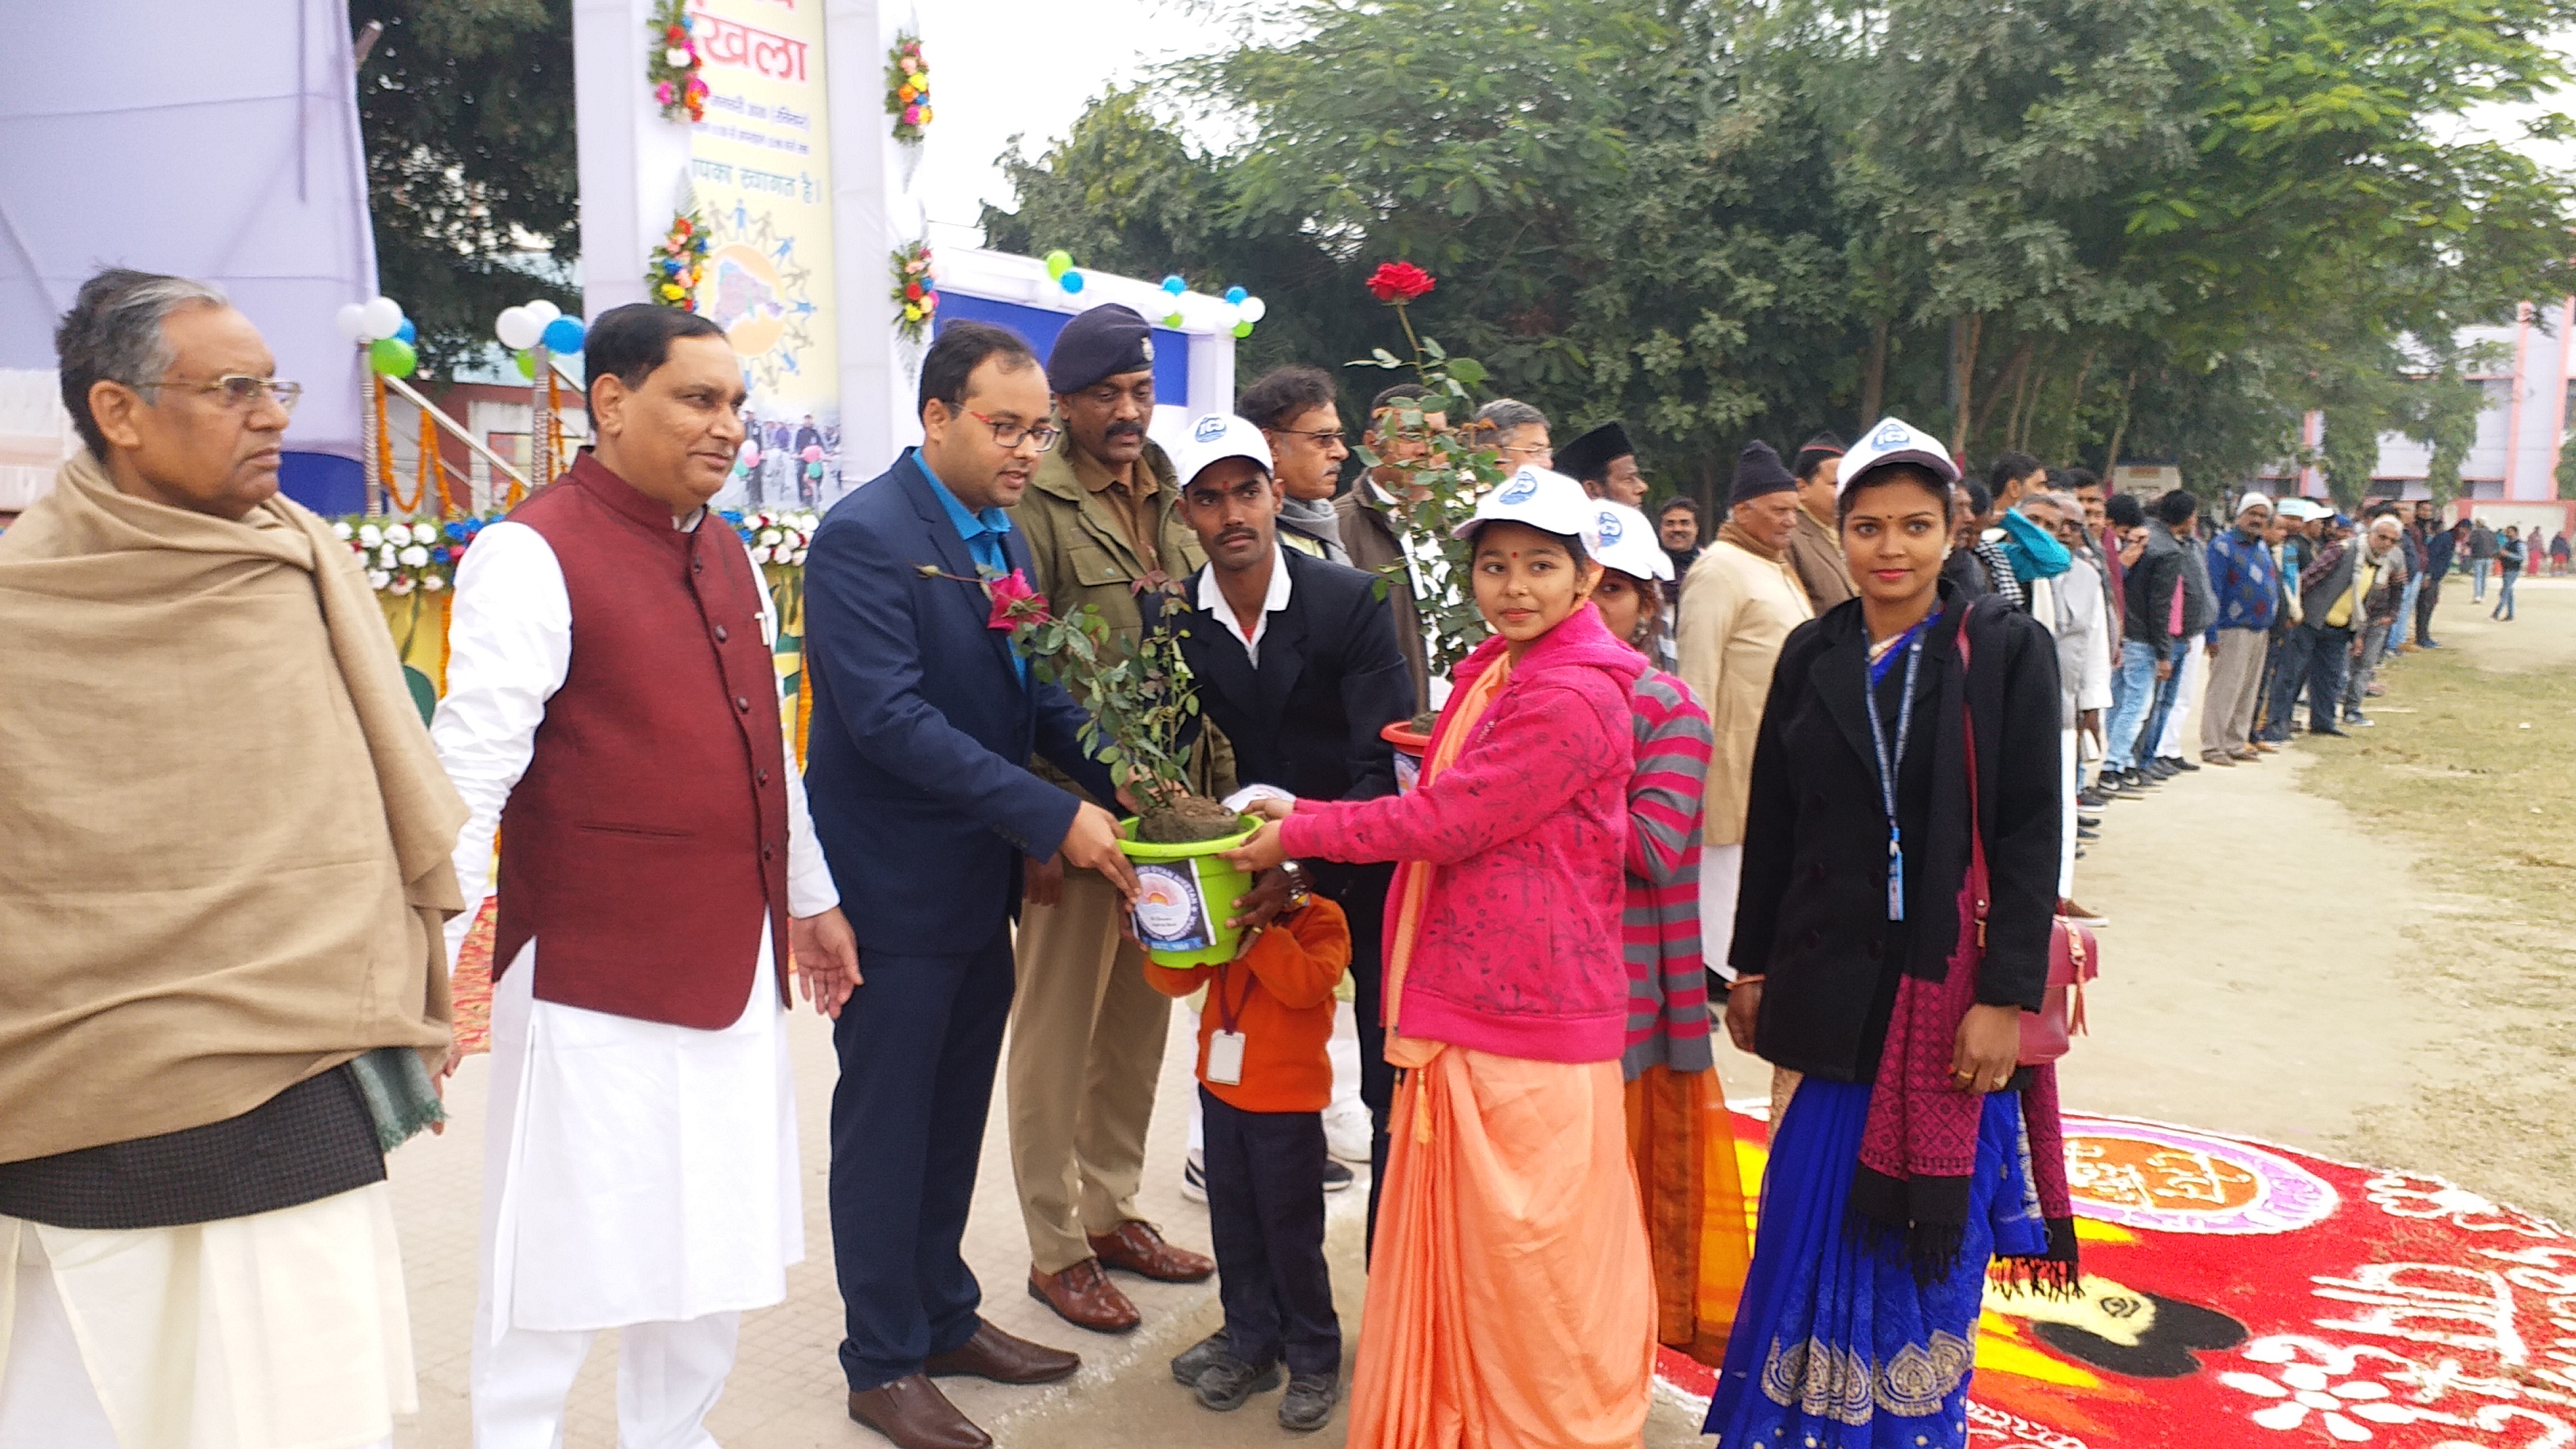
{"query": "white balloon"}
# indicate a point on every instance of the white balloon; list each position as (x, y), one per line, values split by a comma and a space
(544, 311)
(384, 318)
(1254, 309)
(351, 319)
(517, 330)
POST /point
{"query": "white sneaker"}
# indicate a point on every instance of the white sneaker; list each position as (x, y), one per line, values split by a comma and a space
(1348, 1131)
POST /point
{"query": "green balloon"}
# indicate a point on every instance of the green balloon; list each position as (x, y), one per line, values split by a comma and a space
(527, 365)
(1058, 263)
(1242, 329)
(392, 356)
(1173, 320)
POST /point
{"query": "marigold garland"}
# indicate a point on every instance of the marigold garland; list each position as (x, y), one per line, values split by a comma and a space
(673, 64)
(908, 89)
(916, 291)
(671, 277)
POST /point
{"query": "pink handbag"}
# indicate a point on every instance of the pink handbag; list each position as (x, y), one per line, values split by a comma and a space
(2074, 956)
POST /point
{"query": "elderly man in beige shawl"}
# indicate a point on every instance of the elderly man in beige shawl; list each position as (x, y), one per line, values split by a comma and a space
(222, 984)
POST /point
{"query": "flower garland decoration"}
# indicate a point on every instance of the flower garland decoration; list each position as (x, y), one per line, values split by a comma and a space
(916, 291)
(674, 64)
(671, 278)
(777, 537)
(908, 89)
(405, 558)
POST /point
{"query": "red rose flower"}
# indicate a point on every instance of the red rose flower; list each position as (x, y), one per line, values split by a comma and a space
(1014, 601)
(912, 291)
(1399, 282)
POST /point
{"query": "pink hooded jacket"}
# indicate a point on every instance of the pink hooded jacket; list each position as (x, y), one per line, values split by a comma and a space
(1519, 951)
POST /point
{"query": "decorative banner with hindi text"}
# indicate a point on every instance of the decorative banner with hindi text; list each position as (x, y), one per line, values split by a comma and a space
(761, 166)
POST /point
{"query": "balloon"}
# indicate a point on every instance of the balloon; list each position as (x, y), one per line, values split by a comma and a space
(1070, 281)
(751, 455)
(1058, 263)
(1174, 285)
(517, 330)
(351, 319)
(1236, 295)
(564, 334)
(1172, 320)
(392, 356)
(527, 365)
(408, 333)
(813, 470)
(812, 454)
(543, 310)
(1242, 329)
(383, 316)
(1254, 309)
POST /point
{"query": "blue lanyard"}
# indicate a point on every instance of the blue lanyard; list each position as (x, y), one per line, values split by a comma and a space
(1890, 760)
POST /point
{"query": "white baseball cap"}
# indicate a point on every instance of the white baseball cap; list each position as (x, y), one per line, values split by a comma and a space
(1628, 542)
(1549, 502)
(2296, 509)
(1218, 436)
(2253, 497)
(1895, 440)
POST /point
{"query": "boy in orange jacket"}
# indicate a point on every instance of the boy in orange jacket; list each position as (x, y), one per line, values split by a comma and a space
(1264, 1080)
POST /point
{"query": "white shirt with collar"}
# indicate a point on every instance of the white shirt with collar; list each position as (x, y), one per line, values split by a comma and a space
(1212, 600)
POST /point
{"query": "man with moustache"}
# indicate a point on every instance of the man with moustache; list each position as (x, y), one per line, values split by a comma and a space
(1293, 407)
(1816, 546)
(1374, 529)
(1296, 662)
(925, 721)
(656, 860)
(1087, 1031)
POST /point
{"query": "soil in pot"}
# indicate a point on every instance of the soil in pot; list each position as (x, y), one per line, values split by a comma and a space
(1421, 723)
(1186, 820)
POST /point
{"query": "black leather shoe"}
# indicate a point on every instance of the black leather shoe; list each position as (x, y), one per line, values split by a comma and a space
(1229, 1381)
(1198, 1358)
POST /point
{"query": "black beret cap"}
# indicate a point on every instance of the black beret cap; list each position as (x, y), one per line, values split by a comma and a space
(1588, 458)
(1758, 470)
(1107, 340)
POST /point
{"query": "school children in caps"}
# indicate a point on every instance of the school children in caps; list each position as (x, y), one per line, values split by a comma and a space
(1511, 1293)
(1264, 1079)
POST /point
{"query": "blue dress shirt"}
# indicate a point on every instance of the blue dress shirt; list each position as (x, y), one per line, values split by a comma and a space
(983, 535)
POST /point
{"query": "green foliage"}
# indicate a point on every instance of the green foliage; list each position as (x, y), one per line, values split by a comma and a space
(467, 111)
(1137, 704)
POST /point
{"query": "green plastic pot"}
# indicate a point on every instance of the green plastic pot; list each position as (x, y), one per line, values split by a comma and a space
(1187, 891)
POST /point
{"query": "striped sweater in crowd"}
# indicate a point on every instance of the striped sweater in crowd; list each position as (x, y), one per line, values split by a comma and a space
(1667, 982)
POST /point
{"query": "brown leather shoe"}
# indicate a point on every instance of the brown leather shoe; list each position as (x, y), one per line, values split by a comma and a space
(993, 1354)
(1138, 1248)
(2249, 753)
(913, 1413)
(1083, 1296)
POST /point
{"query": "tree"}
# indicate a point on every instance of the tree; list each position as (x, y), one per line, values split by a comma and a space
(467, 111)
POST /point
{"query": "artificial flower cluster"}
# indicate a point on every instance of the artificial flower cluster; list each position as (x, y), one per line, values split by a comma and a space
(916, 290)
(403, 558)
(674, 64)
(776, 536)
(908, 88)
(679, 263)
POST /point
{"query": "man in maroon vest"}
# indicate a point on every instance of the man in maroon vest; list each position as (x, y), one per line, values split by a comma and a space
(656, 859)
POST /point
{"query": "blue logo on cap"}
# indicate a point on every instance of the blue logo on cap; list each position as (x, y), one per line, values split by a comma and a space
(1210, 428)
(1891, 434)
(1610, 528)
(1520, 489)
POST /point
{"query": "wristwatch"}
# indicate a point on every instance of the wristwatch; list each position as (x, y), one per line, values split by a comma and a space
(1301, 888)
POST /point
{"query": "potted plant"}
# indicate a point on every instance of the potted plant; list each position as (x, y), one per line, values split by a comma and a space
(1437, 490)
(1141, 715)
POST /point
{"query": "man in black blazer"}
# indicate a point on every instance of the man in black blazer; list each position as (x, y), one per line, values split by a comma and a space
(1297, 662)
(924, 723)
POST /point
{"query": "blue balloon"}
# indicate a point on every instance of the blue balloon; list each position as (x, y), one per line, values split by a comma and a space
(408, 333)
(1070, 281)
(564, 334)
(1236, 295)
(1174, 285)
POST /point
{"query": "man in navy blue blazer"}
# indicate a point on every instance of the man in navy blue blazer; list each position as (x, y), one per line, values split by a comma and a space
(924, 723)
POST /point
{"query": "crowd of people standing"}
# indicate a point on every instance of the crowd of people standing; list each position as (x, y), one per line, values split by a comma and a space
(1821, 776)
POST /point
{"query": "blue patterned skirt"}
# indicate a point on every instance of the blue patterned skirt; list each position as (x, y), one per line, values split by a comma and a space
(1835, 1345)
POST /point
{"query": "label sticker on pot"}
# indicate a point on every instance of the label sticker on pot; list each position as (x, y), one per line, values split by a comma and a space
(1168, 915)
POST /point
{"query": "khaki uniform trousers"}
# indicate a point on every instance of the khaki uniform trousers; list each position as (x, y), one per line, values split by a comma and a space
(1086, 1051)
(2235, 683)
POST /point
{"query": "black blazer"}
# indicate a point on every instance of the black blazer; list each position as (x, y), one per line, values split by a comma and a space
(916, 760)
(1811, 913)
(1331, 677)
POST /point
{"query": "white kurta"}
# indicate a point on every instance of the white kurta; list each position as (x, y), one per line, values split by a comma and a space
(635, 1171)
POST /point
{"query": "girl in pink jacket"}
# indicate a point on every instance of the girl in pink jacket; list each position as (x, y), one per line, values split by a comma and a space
(1511, 1291)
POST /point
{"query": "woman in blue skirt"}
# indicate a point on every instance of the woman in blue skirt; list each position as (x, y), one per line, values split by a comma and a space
(1899, 880)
